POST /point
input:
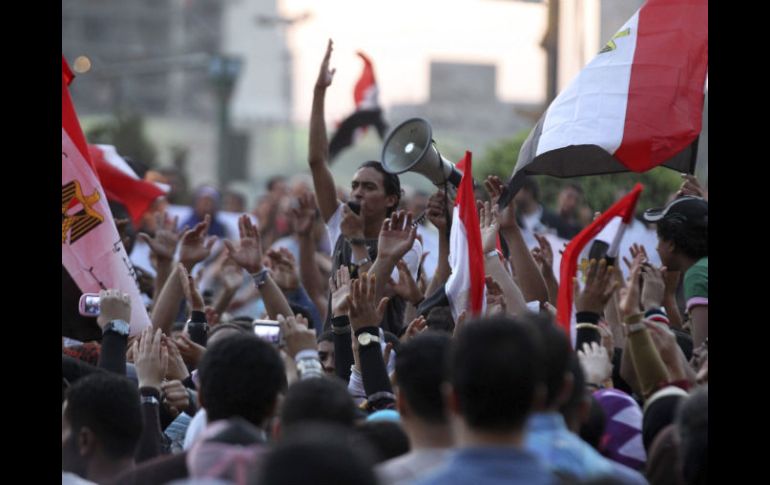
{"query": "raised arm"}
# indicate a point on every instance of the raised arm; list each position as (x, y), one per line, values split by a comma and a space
(318, 153)
(438, 216)
(249, 257)
(162, 247)
(309, 272)
(396, 239)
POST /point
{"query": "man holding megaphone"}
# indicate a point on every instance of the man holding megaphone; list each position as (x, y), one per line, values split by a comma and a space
(354, 228)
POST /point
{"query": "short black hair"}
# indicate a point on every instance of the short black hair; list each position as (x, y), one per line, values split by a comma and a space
(320, 400)
(556, 353)
(495, 367)
(578, 394)
(274, 180)
(690, 239)
(240, 377)
(440, 319)
(302, 310)
(530, 185)
(692, 422)
(108, 405)
(390, 182)
(593, 428)
(420, 373)
(327, 336)
(387, 439)
(320, 451)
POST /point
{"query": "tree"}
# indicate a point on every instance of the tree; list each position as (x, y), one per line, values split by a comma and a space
(126, 132)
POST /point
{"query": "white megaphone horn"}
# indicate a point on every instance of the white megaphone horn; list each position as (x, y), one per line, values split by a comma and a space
(410, 148)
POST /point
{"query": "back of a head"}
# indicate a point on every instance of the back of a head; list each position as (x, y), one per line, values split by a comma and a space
(557, 353)
(692, 423)
(440, 319)
(420, 374)
(386, 439)
(240, 377)
(321, 454)
(571, 407)
(495, 366)
(319, 400)
(108, 405)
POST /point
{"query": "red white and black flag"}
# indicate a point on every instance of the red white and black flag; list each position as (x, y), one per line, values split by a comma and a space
(91, 249)
(368, 112)
(638, 104)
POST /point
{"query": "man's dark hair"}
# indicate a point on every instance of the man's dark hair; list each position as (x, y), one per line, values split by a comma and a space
(593, 429)
(495, 366)
(440, 319)
(321, 451)
(108, 405)
(321, 400)
(327, 336)
(240, 377)
(578, 394)
(690, 239)
(387, 439)
(420, 373)
(557, 353)
(390, 182)
(274, 180)
(530, 185)
(302, 310)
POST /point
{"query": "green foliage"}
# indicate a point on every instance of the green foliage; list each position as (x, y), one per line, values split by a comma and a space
(600, 190)
(126, 133)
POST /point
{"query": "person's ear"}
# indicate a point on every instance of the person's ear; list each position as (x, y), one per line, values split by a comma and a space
(86, 442)
(391, 201)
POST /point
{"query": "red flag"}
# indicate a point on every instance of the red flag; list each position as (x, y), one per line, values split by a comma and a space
(134, 193)
(624, 208)
(365, 92)
(92, 250)
(465, 287)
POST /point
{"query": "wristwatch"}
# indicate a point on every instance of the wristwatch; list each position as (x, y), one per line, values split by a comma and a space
(120, 327)
(357, 241)
(149, 400)
(366, 338)
(361, 261)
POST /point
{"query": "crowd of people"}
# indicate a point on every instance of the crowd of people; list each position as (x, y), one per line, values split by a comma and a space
(367, 377)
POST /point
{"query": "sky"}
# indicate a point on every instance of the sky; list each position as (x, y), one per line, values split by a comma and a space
(403, 36)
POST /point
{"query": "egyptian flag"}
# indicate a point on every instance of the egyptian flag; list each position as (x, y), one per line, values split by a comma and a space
(465, 287)
(621, 213)
(368, 112)
(122, 184)
(91, 250)
(638, 104)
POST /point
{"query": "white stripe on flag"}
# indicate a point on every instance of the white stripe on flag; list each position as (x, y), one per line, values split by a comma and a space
(459, 282)
(592, 109)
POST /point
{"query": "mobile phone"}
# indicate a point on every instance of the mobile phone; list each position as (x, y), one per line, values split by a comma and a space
(355, 207)
(598, 250)
(268, 330)
(89, 305)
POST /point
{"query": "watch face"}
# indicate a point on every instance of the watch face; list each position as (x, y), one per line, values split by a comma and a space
(120, 326)
(364, 339)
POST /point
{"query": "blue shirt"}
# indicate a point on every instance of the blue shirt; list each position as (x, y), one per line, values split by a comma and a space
(563, 451)
(489, 466)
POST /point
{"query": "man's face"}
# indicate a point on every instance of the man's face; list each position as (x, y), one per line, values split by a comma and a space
(368, 190)
(569, 198)
(71, 460)
(326, 354)
(666, 252)
(205, 205)
(523, 200)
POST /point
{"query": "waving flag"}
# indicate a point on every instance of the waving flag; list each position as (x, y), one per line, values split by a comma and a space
(638, 104)
(621, 213)
(92, 251)
(367, 113)
(465, 287)
(120, 182)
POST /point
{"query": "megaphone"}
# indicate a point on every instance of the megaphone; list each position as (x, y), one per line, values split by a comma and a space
(410, 148)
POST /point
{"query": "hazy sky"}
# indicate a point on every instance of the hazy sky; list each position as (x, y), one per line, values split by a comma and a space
(403, 36)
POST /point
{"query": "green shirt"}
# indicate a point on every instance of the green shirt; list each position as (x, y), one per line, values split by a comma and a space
(696, 284)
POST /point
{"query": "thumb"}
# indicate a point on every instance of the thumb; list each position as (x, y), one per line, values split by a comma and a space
(145, 238)
(383, 304)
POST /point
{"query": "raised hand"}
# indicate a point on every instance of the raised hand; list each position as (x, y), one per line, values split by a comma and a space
(304, 215)
(653, 286)
(249, 252)
(191, 352)
(325, 74)
(599, 287)
(113, 305)
(595, 362)
(406, 287)
(340, 289)
(284, 269)
(396, 236)
(489, 227)
(691, 186)
(191, 294)
(363, 310)
(352, 224)
(543, 254)
(163, 244)
(296, 334)
(231, 275)
(195, 245)
(495, 298)
(629, 302)
(415, 327)
(174, 396)
(437, 209)
(150, 358)
(506, 218)
(176, 368)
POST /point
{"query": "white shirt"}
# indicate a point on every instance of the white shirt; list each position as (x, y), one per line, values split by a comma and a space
(411, 258)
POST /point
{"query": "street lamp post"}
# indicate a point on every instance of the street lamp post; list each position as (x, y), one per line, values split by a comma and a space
(224, 71)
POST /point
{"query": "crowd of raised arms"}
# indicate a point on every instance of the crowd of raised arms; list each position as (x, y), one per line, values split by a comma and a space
(368, 377)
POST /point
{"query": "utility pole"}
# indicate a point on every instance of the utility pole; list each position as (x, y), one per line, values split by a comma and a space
(551, 45)
(224, 71)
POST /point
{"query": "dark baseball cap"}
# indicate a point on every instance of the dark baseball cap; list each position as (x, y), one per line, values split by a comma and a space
(688, 209)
